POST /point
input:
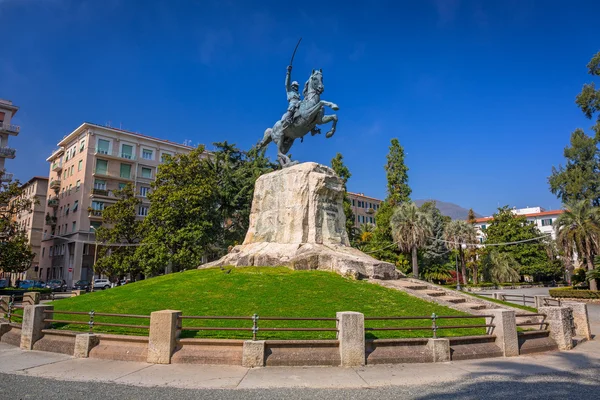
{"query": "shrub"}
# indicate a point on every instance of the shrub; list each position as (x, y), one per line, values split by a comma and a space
(578, 276)
(569, 292)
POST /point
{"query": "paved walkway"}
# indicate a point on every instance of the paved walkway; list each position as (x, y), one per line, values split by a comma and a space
(61, 367)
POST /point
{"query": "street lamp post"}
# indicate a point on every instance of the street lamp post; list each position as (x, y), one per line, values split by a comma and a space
(95, 257)
(457, 278)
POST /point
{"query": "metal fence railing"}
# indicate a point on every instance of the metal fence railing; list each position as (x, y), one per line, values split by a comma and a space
(91, 321)
(255, 324)
(542, 324)
(520, 298)
(549, 301)
(9, 309)
(434, 327)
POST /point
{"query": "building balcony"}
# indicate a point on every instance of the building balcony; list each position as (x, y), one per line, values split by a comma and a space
(6, 176)
(50, 220)
(94, 214)
(114, 154)
(9, 129)
(53, 202)
(370, 211)
(7, 152)
(57, 166)
(55, 184)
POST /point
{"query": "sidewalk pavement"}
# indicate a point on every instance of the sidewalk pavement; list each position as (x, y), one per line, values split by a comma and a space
(66, 368)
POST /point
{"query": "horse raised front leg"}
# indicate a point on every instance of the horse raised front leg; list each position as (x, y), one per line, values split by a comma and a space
(329, 104)
(326, 119)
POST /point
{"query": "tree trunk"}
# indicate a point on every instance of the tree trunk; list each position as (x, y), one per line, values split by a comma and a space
(475, 278)
(415, 266)
(463, 265)
(590, 266)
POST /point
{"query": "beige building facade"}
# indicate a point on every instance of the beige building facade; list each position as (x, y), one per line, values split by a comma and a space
(32, 222)
(364, 208)
(7, 129)
(89, 164)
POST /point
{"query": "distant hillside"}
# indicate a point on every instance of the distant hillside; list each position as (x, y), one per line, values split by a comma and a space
(449, 209)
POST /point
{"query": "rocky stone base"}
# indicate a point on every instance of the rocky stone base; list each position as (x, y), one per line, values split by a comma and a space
(344, 260)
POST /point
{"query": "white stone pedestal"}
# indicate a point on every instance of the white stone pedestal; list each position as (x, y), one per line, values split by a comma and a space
(297, 220)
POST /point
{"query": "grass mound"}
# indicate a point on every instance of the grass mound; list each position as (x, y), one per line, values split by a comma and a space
(266, 291)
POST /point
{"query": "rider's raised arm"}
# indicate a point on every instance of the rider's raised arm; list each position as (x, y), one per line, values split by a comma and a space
(288, 79)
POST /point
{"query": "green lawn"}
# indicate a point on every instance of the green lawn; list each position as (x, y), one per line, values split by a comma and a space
(268, 292)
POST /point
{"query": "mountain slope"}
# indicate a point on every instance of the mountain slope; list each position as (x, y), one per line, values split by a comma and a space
(451, 210)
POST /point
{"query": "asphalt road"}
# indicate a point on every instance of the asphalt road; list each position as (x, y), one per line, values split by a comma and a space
(583, 383)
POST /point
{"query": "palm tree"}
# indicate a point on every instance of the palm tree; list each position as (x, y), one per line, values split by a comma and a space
(411, 228)
(578, 232)
(500, 267)
(460, 233)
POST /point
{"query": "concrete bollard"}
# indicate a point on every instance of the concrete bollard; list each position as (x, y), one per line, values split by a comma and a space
(163, 336)
(84, 342)
(505, 330)
(31, 298)
(581, 319)
(4, 327)
(253, 354)
(561, 330)
(440, 349)
(33, 323)
(351, 335)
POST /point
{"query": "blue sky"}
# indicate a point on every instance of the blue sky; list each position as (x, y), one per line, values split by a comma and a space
(479, 93)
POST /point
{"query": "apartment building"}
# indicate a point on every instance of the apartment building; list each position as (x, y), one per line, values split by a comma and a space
(543, 219)
(32, 222)
(89, 164)
(7, 111)
(364, 208)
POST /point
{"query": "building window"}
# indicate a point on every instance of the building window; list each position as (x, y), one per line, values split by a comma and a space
(146, 173)
(73, 226)
(143, 211)
(97, 205)
(99, 184)
(483, 227)
(547, 222)
(67, 209)
(125, 171)
(95, 225)
(102, 167)
(72, 170)
(144, 191)
(352, 202)
(81, 145)
(103, 146)
(147, 154)
(122, 186)
(75, 205)
(43, 251)
(127, 151)
(79, 165)
(77, 186)
(164, 157)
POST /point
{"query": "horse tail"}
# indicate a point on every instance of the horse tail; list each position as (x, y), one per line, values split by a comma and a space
(266, 138)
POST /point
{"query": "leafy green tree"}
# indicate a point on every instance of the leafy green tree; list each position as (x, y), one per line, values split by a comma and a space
(182, 221)
(15, 251)
(471, 218)
(397, 175)
(500, 267)
(337, 164)
(578, 232)
(120, 232)
(459, 234)
(580, 178)
(435, 252)
(411, 227)
(532, 256)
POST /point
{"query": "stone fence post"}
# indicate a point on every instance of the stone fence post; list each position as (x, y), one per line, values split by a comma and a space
(561, 330)
(253, 353)
(31, 298)
(33, 323)
(4, 300)
(499, 296)
(505, 330)
(351, 335)
(163, 335)
(581, 319)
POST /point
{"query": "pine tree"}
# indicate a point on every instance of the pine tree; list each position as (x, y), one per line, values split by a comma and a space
(471, 218)
(337, 164)
(397, 175)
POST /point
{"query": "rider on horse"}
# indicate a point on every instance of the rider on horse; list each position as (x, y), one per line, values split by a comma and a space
(293, 97)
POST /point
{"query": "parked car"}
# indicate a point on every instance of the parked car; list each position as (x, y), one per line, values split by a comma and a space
(31, 284)
(3, 283)
(82, 285)
(57, 285)
(102, 284)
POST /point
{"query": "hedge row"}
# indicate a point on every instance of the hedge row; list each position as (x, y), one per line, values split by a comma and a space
(569, 292)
